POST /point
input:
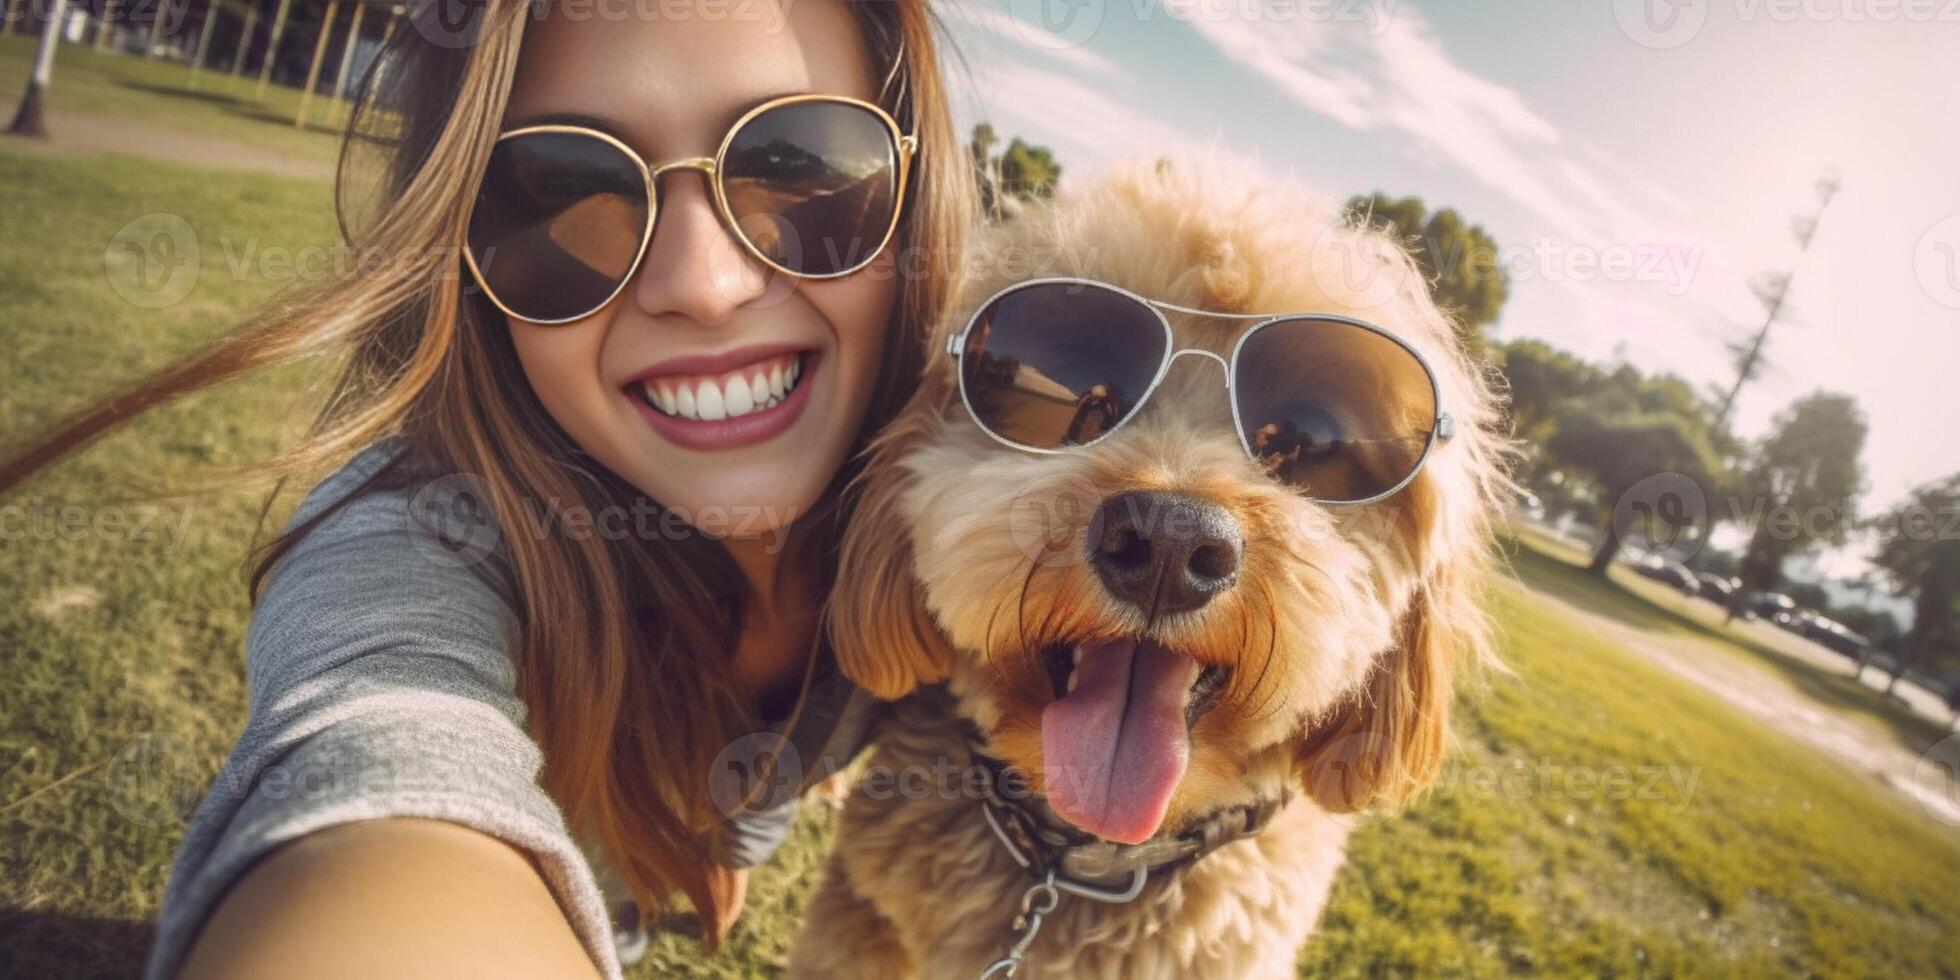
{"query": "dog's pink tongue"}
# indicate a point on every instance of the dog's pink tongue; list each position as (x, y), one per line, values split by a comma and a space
(1116, 747)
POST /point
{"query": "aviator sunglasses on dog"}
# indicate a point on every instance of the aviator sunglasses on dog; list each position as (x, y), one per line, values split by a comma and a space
(1335, 407)
(810, 185)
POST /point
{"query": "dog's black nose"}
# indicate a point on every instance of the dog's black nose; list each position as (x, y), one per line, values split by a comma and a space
(1164, 552)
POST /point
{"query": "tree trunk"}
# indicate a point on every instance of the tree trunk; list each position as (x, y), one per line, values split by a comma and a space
(28, 120)
(1608, 549)
(1738, 601)
(347, 56)
(272, 48)
(156, 34)
(245, 38)
(313, 71)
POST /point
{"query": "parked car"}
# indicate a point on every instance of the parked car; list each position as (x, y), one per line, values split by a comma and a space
(1662, 569)
(1529, 506)
(1832, 634)
(1773, 607)
(1715, 588)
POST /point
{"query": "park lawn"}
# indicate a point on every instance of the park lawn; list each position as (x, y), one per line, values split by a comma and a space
(157, 94)
(1756, 646)
(1725, 849)
(1603, 816)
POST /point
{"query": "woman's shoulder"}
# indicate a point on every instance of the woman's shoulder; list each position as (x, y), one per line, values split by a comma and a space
(397, 516)
(364, 477)
(383, 559)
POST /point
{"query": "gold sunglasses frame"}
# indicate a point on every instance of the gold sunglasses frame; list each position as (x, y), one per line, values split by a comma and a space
(905, 147)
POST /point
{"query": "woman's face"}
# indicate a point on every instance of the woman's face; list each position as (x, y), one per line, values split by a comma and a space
(701, 314)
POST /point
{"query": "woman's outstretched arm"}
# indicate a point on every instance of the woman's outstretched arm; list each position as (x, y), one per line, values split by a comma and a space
(390, 897)
(385, 790)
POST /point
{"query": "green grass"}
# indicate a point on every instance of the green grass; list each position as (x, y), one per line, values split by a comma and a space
(157, 94)
(1747, 854)
(106, 637)
(1655, 608)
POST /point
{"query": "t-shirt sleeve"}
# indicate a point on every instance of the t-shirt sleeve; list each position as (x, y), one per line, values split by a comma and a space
(382, 685)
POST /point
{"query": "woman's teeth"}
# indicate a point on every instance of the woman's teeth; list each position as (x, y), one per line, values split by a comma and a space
(712, 398)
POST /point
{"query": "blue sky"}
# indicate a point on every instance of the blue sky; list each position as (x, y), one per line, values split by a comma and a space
(1639, 161)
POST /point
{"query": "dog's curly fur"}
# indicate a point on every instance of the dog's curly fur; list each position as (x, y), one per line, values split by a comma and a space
(1342, 633)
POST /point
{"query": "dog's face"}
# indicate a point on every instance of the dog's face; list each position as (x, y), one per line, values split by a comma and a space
(1153, 625)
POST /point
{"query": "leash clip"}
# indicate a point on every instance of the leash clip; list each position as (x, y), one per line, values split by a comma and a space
(1043, 896)
(1039, 900)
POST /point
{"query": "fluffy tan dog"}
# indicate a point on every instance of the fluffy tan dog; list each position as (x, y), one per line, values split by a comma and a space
(1308, 678)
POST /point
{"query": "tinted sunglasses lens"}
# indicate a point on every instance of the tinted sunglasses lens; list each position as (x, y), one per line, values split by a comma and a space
(813, 185)
(557, 224)
(1059, 364)
(1339, 411)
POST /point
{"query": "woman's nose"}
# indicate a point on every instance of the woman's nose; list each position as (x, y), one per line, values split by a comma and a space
(694, 267)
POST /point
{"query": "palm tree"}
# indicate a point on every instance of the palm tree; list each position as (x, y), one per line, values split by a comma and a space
(28, 120)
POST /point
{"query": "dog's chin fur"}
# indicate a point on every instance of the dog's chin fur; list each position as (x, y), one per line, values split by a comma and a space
(1339, 638)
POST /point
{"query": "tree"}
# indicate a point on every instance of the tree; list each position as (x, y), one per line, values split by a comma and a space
(1921, 556)
(28, 120)
(1773, 289)
(1803, 482)
(1022, 172)
(1541, 379)
(1593, 432)
(1461, 260)
(1809, 595)
(1617, 448)
(1876, 625)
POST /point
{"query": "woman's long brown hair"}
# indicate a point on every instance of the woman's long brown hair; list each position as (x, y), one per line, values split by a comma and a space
(630, 709)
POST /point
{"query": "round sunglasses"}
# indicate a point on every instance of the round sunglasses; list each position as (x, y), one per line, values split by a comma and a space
(810, 185)
(1337, 408)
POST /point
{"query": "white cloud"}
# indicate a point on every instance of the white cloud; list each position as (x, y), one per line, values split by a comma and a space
(1288, 57)
(1000, 24)
(1081, 122)
(1395, 75)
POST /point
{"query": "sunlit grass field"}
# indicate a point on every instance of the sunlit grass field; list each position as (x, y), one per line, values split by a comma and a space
(1603, 818)
(156, 94)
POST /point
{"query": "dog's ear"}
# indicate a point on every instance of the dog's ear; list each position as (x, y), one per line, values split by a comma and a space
(884, 638)
(1386, 743)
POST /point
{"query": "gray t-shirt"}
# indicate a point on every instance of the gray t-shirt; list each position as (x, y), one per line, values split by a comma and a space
(380, 669)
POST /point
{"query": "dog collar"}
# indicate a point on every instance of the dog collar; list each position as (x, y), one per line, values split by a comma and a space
(1062, 859)
(1086, 865)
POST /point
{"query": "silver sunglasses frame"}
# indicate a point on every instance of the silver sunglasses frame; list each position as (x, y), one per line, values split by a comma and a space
(1441, 428)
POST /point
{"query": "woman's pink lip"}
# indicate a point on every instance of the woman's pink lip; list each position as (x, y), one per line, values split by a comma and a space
(736, 432)
(721, 363)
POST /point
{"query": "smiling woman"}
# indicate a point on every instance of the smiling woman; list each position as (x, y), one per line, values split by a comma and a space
(649, 268)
